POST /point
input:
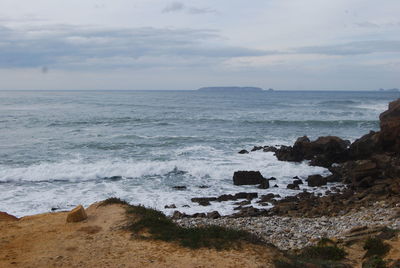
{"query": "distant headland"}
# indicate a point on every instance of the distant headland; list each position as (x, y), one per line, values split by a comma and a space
(390, 89)
(231, 89)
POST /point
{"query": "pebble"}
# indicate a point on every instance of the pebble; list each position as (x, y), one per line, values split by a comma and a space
(289, 233)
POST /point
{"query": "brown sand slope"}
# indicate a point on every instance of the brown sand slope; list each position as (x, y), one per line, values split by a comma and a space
(46, 240)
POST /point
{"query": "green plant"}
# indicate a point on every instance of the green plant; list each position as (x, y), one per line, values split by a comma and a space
(332, 253)
(375, 246)
(374, 262)
(152, 224)
(113, 200)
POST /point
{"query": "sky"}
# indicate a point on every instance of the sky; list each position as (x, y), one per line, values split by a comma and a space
(183, 45)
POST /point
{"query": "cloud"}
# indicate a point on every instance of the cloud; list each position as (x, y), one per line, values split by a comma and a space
(181, 7)
(353, 48)
(66, 46)
(174, 6)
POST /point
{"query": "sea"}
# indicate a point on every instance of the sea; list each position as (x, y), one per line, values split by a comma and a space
(59, 149)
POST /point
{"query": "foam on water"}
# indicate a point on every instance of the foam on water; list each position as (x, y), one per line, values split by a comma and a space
(66, 148)
(65, 184)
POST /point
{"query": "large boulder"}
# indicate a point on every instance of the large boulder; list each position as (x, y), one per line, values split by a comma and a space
(390, 127)
(324, 151)
(77, 214)
(249, 178)
(316, 180)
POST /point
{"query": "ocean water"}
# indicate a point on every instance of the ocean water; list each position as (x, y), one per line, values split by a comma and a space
(60, 149)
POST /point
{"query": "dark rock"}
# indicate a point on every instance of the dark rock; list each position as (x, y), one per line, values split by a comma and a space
(198, 215)
(389, 136)
(170, 206)
(226, 197)
(293, 186)
(267, 149)
(180, 188)
(297, 182)
(203, 201)
(365, 146)
(323, 151)
(213, 215)
(248, 178)
(243, 203)
(243, 152)
(113, 178)
(178, 215)
(256, 148)
(272, 179)
(204, 186)
(248, 196)
(266, 198)
(276, 186)
(264, 185)
(316, 180)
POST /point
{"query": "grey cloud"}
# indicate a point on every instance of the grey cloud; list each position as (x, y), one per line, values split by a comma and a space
(181, 7)
(64, 46)
(353, 48)
(174, 6)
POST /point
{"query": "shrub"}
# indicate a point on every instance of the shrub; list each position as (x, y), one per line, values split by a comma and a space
(375, 246)
(153, 224)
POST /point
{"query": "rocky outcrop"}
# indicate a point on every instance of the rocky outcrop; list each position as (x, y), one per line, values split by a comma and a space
(250, 178)
(389, 135)
(324, 151)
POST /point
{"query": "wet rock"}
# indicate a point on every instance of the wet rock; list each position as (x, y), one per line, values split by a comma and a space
(178, 215)
(264, 185)
(293, 186)
(256, 148)
(316, 180)
(243, 203)
(180, 187)
(266, 198)
(267, 149)
(243, 152)
(248, 196)
(77, 214)
(324, 151)
(297, 182)
(170, 206)
(213, 215)
(203, 201)
(248, 178)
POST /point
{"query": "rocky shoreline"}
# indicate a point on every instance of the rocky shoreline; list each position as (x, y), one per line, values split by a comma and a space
(290, 233)
(366, 171)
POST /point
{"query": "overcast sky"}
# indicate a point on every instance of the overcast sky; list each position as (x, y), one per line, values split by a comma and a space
(154, 44)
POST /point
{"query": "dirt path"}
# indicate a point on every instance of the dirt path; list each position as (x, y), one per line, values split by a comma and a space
(46, 240)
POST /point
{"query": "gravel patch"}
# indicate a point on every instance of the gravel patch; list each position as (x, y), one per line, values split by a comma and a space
(289, 233)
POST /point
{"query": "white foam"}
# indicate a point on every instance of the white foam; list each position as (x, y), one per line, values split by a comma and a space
(38, 188)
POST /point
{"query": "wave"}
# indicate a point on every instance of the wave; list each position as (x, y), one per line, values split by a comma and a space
(336, 102)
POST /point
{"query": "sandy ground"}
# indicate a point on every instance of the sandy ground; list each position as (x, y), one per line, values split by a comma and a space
(46, 240)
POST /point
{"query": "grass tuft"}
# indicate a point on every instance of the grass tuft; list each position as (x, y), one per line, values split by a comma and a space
(113, 200)
(325, 254)
(375, 247)
(374, 262)
(152, 224)
(332, 253)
